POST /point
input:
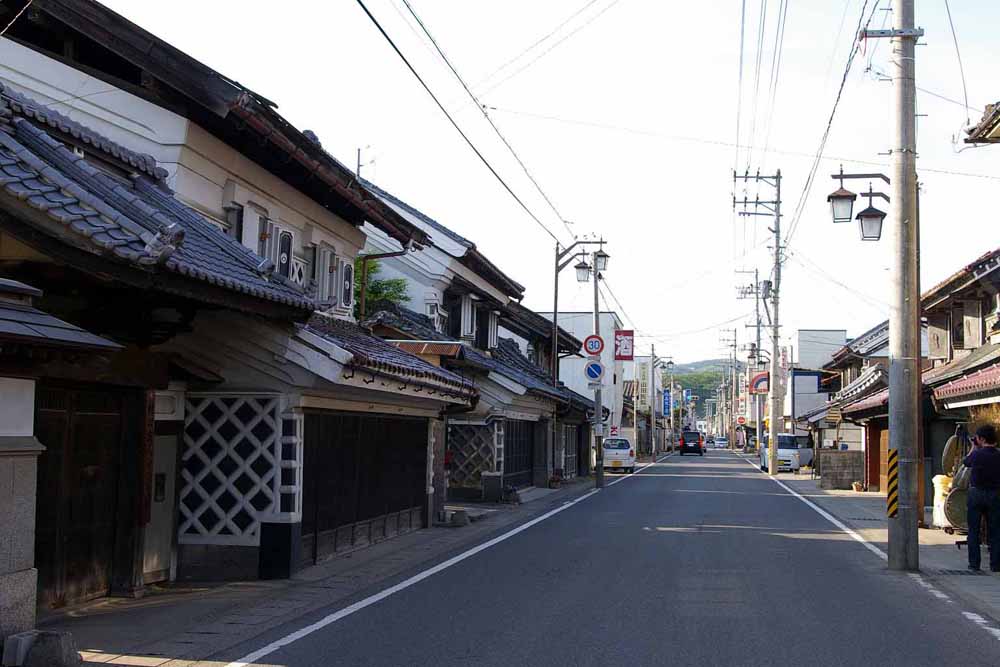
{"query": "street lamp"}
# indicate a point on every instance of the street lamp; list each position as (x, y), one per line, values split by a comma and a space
(601, 260)
(842, 206)
(598, 259)
(841, 201)
(563, 258)
(870, 220)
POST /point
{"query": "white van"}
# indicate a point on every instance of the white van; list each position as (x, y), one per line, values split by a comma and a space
(619, 454)
(793, 452)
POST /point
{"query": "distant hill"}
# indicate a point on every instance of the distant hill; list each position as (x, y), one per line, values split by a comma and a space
(700, 366)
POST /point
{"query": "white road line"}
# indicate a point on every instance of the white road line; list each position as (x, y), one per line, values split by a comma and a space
(982, 622)
(826, 515)
(250, 658)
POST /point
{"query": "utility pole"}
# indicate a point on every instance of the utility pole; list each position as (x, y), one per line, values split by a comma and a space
(755, 356)
(652, 400)
(772, 208)
(731, 390)
(904, 312)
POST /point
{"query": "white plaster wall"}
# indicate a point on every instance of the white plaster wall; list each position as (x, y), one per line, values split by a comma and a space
(119, 115)
(17, 406)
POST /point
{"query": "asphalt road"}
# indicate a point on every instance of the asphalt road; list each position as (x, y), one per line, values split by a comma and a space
(692, 561)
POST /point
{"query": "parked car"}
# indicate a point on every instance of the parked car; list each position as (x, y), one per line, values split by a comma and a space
(692, 442)
(722, 443)
(619, 454)
(794, 452)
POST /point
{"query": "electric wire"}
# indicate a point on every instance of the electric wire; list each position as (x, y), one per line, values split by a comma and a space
(486, 115)
(811, 177)
(534, 44)
(718, 142)
(958, 55)
(541, 55)
(756, 77)
(16, 17)
(739, 87)
(779, 40)
(468, 141)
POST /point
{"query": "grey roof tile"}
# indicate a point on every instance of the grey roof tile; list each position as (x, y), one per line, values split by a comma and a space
(127, 221)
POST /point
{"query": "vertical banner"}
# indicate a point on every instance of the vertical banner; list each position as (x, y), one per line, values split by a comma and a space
(624, 344)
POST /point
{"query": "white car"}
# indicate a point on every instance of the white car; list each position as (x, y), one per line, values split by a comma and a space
(793, 452)
(619, 454)
(722, 443)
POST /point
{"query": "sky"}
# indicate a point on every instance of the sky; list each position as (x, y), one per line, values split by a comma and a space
(625, 114)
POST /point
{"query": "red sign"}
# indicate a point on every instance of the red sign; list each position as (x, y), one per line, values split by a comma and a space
(759, 383)
(741, 420)
(593, 344)
(624, 345)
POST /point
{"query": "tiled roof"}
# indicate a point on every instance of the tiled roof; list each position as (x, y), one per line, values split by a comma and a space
(20, 322)
(978, 268)
(373, 353)
(137, 221)
(985, 380)
(437, 348)
(401, 318)
(472, 257)
(506, 359)
(426, 219)
(876, 400)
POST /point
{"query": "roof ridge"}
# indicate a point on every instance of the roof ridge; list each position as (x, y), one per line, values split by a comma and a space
(455, 236)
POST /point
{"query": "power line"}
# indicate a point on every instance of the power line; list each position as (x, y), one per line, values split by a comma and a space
(665, 337)
(546, 51)
(739, 87)
(756, 78)
(779, 40)
(454, 124)
(16, 17)
(718, 142)
(958, 54)
(506, 143)
(803, 197)
(559, 27)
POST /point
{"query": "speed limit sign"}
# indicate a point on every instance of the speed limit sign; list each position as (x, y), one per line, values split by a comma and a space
(593, 344)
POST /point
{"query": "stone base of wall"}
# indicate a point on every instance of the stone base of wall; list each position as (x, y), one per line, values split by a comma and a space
(209, 562)
(17, 602)
(838, 469)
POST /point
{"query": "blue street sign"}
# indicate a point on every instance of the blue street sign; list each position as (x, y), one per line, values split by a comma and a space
(594, 370)
(687, 395)
(666, 402)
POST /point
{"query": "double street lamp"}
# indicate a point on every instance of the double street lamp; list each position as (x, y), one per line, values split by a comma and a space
(584, 271)
(842, 206)
(599, 263)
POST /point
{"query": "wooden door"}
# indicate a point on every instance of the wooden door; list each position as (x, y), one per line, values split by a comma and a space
(77, 492)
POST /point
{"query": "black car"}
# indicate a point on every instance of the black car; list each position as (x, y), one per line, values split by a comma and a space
(692, 442)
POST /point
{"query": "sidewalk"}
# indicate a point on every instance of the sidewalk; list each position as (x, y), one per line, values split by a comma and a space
(178, 625)
(940, 560)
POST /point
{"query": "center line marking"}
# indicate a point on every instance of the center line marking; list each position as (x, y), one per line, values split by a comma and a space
(250, 658)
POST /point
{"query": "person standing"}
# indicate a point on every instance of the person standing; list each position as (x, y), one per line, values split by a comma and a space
(984, 495)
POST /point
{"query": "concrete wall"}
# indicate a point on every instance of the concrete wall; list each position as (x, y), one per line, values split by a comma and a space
(838, 469)
(18, 474)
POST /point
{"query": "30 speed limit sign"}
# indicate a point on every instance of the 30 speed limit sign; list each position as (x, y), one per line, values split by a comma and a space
(593, 344)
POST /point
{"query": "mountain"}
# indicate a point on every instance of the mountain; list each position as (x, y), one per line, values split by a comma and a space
(700, 366)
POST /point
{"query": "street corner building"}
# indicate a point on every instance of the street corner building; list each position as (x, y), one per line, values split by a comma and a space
(178, 350)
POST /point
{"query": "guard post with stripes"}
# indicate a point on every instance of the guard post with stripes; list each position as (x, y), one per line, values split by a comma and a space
(892, 499)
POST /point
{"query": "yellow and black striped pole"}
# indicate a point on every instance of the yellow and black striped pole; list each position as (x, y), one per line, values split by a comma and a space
(892, 499)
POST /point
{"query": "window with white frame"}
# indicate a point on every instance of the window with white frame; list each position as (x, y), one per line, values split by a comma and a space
(325, 275)
(439, 317)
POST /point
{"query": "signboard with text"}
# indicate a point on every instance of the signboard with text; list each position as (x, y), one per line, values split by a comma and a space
(624, 344)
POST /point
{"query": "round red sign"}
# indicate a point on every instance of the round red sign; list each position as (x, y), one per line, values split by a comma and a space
(593, 344)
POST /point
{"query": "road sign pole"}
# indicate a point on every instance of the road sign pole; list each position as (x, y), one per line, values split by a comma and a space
(598, 403)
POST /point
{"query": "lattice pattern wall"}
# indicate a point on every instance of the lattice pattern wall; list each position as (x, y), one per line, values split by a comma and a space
(242, 463)
(473, 451)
